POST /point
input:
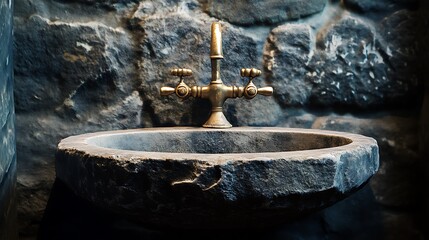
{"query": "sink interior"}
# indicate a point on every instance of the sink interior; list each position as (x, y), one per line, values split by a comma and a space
(218, 141)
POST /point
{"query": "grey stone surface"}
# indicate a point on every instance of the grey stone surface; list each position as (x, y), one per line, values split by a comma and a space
(8, 204)
(71, 11)
(37, 127)
(7, 134)
(400, 46)
(345, 64)
(7, 126)
(108, 5)
(179, 183)
(267, 12)
(89, 71)
(79, 78)
(291, 42)
(349, 70)
(101, 2)
(379, 5)
(396, 137)
(85, 64)
(243, 141)
(147, 9)
(260, 111)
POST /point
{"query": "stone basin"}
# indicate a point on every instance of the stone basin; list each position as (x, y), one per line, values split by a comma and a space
(186, 177)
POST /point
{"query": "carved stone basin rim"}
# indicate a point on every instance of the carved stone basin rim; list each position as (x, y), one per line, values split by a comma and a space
(314, 143)
(185, 177)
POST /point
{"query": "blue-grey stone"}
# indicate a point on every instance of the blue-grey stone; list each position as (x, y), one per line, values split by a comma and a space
(379, 5)
(7, 120)
(73, 68)
(7, 137)
(346, 64)
(286, 54)
(256, 11)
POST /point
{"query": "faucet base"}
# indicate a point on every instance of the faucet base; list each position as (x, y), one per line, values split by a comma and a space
(217, 120)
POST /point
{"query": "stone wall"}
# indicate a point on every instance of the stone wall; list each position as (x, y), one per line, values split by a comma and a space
(91, 65)
(8, 228)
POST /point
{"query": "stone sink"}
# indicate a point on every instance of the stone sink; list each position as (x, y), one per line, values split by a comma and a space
(186, 177)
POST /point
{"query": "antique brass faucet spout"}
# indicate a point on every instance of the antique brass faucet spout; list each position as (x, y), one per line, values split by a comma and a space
(216, 92)
(216, 43)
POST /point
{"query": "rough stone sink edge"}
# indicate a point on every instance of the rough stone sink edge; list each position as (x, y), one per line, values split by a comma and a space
(82, 142)
(341, 169)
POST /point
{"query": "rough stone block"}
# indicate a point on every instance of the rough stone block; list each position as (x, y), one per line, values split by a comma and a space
(85, 65)
(257, 12)
(379, 5)
(345, 64)
(7, 126)
(286, 54)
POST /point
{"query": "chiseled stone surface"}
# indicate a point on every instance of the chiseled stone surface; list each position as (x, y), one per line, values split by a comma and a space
(257, 11)
(291, 42)
(344, 64)
(8, 204)
(86, 65)
(400, 52)
(7, 126)
(379, 5)
(7, 138)
(76, 77)
(179, 183)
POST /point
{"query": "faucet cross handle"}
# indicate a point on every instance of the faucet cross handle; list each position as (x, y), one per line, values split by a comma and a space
(250, 90)
(182, 90)
(181, 72)
(250, 72)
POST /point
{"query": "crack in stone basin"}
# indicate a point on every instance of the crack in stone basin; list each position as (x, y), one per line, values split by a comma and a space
(186, 177)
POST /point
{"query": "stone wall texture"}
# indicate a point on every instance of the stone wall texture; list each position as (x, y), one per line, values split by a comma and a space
(91, 65)
(7, 129)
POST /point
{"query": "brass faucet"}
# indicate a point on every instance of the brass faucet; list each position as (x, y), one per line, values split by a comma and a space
(216, 91)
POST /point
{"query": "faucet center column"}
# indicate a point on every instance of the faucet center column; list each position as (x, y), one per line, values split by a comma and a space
(216, 87)
(216, 51)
